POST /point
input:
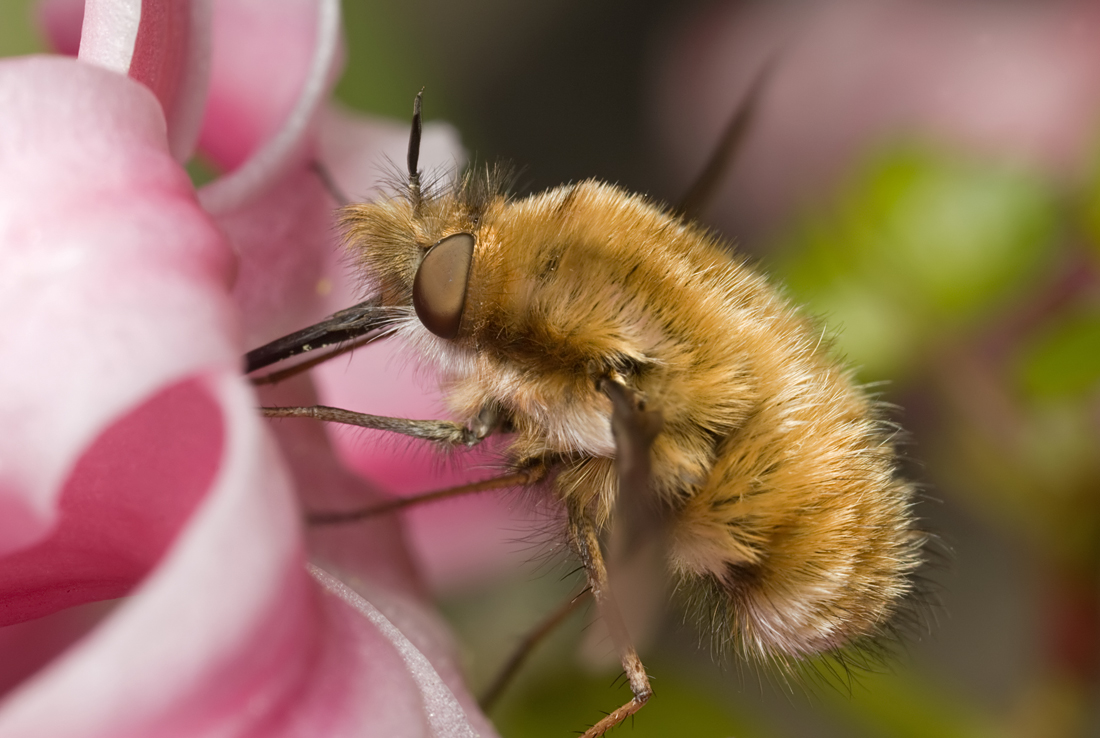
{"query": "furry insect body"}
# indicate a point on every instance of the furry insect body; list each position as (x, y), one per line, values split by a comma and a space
(786, 523)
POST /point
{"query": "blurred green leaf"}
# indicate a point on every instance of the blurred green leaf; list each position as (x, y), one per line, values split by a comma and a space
(201, 171)
(1064, 361)
(919, 244)
(389, 60)
(1088, 202)
(964, 234)
(901, 705)
(572, 700)
(18, 32)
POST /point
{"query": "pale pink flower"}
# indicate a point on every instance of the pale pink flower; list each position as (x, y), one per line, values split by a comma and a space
(134, 467)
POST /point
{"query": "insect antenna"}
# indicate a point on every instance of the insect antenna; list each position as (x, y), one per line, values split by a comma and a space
(414, 153)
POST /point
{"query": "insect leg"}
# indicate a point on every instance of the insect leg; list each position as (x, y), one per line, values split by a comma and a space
(637, 520)
(329, 183)
(725, 151)
(520, 478)
(526, 646)
(587, 545)
(446, 432)
(638, 542)
(635, 429)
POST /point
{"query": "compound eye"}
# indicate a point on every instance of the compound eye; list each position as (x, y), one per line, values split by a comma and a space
(439, 289)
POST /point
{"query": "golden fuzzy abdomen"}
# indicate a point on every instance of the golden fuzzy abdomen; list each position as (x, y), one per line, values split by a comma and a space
(773, 469)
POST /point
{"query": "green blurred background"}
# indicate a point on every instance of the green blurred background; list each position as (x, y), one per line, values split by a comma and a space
(968, 285)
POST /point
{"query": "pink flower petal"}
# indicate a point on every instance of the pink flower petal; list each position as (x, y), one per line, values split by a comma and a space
(287, 249)
(118, 514)
(227, 636)
(26, 647)
(165, 46)
(95, 218)
(172, 58)
(273, 63)
(265, 121)
(173, 492)
(61, 21)
(417, 637)
(372, 557)
(370, 550)
(110, 32)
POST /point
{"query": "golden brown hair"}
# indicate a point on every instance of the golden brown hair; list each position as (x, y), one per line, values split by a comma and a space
(788, 527)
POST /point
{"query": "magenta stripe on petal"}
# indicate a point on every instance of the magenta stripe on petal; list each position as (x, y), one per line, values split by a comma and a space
(112, 279)
(223, 631)
(126, 500)
(172, 58)
(230, 637)
(163, 45)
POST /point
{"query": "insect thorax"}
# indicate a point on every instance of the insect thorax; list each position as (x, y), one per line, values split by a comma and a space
(772, 466)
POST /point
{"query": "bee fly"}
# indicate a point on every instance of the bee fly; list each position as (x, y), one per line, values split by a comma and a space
(666, 395)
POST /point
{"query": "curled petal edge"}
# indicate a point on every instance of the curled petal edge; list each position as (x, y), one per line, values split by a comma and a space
(279, 152)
